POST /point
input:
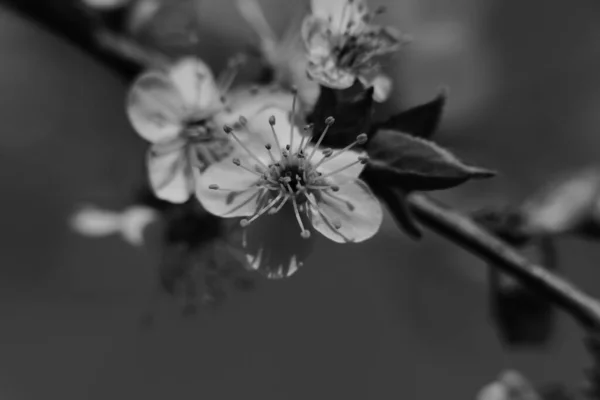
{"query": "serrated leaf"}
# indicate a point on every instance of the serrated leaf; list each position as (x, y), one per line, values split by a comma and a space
(404, 161)
(421, 121)
(352, 110)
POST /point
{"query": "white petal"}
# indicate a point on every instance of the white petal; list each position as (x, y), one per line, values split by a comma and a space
(106, 4)
(92, 221)
(134, 221)
(337, 162)
(155, 107)
(170, 174)
(248, 101)
(316, 39)
(328, 74)
(261, 133)
(354, 207)
(197, 86)
(244, 201)
(382, 86)
(340, 13)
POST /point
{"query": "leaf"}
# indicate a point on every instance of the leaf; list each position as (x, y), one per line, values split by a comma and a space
(352, 109)
(395, 199)
(411, 163)
(420, 121)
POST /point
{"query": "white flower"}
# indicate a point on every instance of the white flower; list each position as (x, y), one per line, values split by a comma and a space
(129, 223)
(180, 111)
(281, 174)
(342, 44)
(284, 54)
(106, 4)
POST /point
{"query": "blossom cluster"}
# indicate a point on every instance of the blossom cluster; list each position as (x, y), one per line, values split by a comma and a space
(293, 158)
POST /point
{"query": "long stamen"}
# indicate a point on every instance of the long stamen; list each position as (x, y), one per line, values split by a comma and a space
(292, 117)
(309, 136)
(229, 131)
(272, 123)
(237, 162)
(280, 206)
(329, 121)
(268, 147)
(326, 154)
(362, 160)
(360, 139)
(305, 233)
(245, 222)
(336, 224)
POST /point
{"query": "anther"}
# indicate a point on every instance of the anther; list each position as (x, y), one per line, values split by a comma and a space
(329, 120)
(363, 160)
(305, 234)
(335, 188)
(243, 120)
(272, 120)
(244, 223)
(268, 146)
(362, 138)
(228, 129)
(213, 187)
(237, 161)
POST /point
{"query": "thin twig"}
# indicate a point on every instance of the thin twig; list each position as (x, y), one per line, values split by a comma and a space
(463, 231)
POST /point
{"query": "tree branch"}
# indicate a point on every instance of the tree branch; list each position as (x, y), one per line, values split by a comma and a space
(463, 231)
(67, 20)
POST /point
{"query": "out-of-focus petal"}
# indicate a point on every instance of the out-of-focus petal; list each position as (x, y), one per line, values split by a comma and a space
(106, 4)
(328, 74)
(93, 221)
(155, 107)
(196, 83)
(382, 86)
(337, 162)
(238, 195)
(274, 248)
(249, 101)
(316, 38)
(353, 207)
(340, 13)
(134, 221)
(170, 174)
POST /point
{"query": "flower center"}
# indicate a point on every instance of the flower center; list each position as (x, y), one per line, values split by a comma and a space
(292, 175)
(198, 130)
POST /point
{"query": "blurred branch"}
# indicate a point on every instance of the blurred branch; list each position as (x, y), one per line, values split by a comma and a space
(466, 233)
(69, 20)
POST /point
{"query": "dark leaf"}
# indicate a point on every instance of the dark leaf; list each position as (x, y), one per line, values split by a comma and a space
(395, 199)
(352, 110)
(412, 163)
(421, 121)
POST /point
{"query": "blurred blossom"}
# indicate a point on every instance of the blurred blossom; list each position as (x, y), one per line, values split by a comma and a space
(342, 45)
(129, 223)
(286, 55)
(106, 4)
(280, 179)
(570, 205)
(181, 112)
(511, 385)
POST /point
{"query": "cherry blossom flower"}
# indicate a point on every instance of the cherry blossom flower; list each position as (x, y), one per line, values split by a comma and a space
(342, 44)
(285, 54)
(178, 111)
(282, 177)
(129, 223)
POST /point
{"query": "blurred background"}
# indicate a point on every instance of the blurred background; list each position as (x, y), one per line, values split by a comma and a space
(386, 319)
